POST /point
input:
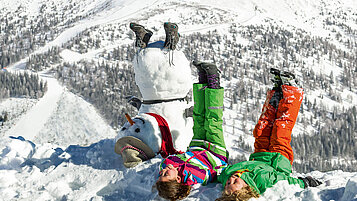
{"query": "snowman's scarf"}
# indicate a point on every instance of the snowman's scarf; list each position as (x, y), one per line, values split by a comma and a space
(167, 147)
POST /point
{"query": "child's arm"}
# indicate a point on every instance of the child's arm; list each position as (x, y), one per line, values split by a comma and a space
(268, 179)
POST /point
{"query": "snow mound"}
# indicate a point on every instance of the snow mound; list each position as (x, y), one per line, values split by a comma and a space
(74, 173)
(74, 121)
(275, 193)
(15, 152)
(350, 193)
(155, 85)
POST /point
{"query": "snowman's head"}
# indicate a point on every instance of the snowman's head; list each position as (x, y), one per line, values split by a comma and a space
(162, 74)
(138, 140)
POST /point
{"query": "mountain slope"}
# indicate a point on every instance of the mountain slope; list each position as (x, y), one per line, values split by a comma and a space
(88, 47)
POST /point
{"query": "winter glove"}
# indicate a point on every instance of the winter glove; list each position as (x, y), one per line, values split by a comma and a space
(189, 112)
(310, 182)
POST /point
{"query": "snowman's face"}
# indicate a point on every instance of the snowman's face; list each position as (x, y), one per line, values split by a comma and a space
(136, 128)
(143, 129)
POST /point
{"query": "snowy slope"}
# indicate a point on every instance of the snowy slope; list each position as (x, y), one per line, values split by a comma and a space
(61, 149)
(31, 123)
(31, 171)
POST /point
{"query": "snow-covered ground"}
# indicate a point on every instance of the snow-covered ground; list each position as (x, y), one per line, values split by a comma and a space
(61, 149)
(15, 107)
(44, 171)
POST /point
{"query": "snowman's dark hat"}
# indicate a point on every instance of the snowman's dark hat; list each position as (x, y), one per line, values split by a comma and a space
(133, 151)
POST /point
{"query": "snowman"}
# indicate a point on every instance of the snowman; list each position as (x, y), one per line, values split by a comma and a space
(162, 125)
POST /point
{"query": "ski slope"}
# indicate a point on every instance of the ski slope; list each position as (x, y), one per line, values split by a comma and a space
(33, 121)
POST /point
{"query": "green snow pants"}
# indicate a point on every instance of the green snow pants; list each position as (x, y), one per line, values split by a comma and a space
(207, 115)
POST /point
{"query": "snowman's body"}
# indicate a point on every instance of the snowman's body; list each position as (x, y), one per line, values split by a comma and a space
(164, 80)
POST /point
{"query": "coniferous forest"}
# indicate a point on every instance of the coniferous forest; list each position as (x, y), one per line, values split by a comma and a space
(326, 138)
(21, 85)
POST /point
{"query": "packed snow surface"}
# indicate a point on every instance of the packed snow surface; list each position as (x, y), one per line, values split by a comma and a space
(44, 171)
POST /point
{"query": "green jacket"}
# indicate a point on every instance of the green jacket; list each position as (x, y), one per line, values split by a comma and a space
(262, 171)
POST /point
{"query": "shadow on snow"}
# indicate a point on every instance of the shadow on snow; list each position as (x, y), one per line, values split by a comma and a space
(99, 155)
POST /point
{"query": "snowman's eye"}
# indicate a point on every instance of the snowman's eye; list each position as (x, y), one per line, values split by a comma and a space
(137, 130)
(123, 129)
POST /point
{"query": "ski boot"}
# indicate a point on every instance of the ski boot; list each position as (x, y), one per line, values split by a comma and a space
(172, 35)
(212, 73)
(142, 35)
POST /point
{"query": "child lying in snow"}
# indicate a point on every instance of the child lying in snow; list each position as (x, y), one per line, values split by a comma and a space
(270, 162)
(273, 155)
(207, 154)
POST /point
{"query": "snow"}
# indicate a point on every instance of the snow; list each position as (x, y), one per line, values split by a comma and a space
(46, 172)
(31, 123)
(61, 149)
(71, 56)
(15, 107)
(167, 76)
(351, 190)
(120, 11)
(64, 164)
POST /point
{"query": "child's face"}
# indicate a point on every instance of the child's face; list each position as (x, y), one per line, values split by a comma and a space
(234, 183)
(169, 173)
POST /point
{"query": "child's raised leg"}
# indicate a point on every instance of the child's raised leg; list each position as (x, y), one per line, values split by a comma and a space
(285, 120)
(214, 114)
(263, 128)
(199, 133)
(209, 104)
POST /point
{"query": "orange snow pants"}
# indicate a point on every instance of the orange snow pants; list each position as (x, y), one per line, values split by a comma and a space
(273, 130)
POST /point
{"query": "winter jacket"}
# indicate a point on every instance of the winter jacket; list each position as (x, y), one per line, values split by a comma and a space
(262, 171)
(207, 155)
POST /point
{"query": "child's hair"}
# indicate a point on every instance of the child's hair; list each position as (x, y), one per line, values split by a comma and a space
(172, 190)
(243, 194)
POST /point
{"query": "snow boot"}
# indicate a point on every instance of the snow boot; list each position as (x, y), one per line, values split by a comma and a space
(172, 35)
(278, 93)
(281, 78)
(212, 72)
(276, 77)
(202, 76)
(288, 78)
(142, 35)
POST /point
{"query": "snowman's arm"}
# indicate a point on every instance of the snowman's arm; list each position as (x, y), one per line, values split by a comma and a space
(189, 112)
